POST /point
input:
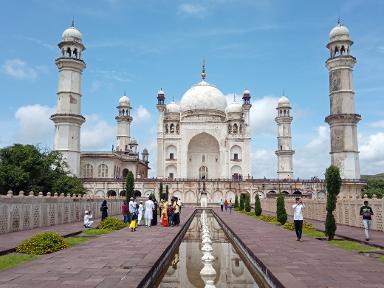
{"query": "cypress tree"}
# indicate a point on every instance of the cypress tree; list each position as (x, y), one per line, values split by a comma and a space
(129, 186)
(166, 192)
(161, 191)
(247, 203)
(258, 209)
(281, 213)
(236, 202)
(333, 185)
(241, 206)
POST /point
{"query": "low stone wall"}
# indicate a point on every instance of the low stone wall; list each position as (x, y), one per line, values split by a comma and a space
(19, 213)
(347, 210)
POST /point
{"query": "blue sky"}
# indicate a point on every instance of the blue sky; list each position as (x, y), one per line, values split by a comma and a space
(140, 46)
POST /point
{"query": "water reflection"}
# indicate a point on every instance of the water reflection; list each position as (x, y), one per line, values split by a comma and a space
(184, 269)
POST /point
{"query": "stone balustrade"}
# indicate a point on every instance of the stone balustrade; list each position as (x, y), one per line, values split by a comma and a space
(347, 210)
(22, 212)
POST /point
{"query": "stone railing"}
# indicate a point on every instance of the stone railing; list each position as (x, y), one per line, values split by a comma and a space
(347, 210)
(21, 212)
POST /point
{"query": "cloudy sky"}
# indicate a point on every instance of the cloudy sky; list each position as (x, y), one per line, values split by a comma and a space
(267, 46)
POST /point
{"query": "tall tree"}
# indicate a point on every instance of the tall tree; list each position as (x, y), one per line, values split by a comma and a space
(333, 185)
(258, 209)
(281, 213)
(166, 192)
(161, 191)
(129, 186)
(247, 203)
(242, 198)
(236, 202)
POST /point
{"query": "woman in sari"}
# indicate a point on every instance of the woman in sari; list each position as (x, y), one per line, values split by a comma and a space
(164, 208)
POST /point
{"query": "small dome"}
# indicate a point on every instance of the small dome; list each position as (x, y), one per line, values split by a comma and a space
(173, 107)
(203, 96)
(339, 32)
(246, 92)
(283, 101)
(71, 34)
(145, 151)
(133, 141)
(124, 101)
(234, 108)
(160, 92)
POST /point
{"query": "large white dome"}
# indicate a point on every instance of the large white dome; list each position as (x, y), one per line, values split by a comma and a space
(173, 107)
(203, 96)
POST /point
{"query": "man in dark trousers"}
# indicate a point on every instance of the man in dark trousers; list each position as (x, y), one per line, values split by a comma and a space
(298, 217)
(367, 213)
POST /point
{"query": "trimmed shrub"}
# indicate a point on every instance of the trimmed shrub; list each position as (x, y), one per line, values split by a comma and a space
(258, 209)
(281, 213)
(129, 186)
(242, 198)
(111, 223)
(289, 226)
(42, 243)
(333, 184)
(247, 203)
(268, 218)
(236, 202)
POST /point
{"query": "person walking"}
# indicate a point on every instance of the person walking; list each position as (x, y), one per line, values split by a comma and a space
(125, 211)
(87, 219)
(367, 213)
(298, 217)
(225, 205)
(140, 215)
(230, 206)
(154, 211)
(176, 213)
(131, 208)
(104, 210)
(148, 212)
(163, 210)
(133, 223)
(221, 205)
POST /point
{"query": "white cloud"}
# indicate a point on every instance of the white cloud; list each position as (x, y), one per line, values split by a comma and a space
(192, 9)
(19, 69)
(97, 134)
(34, 125)
(263, 113)
(264, 163)
(142, 114)
(371, 149)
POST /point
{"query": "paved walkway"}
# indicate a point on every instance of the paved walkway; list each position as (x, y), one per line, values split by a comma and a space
(119, 259)
(11, 240)
(348, 232)
(308, 263)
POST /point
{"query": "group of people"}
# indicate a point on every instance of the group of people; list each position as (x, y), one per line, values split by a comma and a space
(134, 213)
(170, 212)
(227, 205)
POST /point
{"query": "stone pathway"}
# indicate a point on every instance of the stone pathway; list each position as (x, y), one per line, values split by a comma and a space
(119, 259)
(308, 263)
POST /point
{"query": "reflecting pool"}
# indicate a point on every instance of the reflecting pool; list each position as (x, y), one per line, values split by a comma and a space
(184, 269)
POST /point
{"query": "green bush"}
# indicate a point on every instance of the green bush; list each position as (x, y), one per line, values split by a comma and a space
(289, 226)
(247, 203)
(268, 218)
(308, 226)
(333, 185)
(42, 243)
(281, 213)
(242, 200)
(258, 209)
(236, 202)
(111, 223)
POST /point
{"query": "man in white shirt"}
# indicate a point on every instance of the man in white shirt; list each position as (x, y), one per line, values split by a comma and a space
(298, 217)
(148, 212)
(87, 219)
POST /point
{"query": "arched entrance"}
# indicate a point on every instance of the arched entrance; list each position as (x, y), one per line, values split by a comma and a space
(125, 172)
(122, 193)
(111, 193)
(136, 193)
(203, 157)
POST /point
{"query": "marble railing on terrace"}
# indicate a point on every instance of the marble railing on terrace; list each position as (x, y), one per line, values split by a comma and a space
(347, 210)
(20, 212)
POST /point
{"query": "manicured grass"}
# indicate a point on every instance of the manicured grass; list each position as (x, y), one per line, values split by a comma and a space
(313, 233)
(95, 232)
(72, 241)
(14, 259)
(381, 259)
(352, 246)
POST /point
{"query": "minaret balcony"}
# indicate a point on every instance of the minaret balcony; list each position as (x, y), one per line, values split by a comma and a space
(236, 160)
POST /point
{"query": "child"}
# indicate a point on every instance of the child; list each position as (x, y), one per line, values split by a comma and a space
(87, 219)
(133, 224)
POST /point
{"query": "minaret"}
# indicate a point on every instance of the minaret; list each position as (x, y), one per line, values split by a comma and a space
(68, 119)
(284, 150)
(160, 133)
(246, 108)
(342, 119)
(247, 163)
(123, 121)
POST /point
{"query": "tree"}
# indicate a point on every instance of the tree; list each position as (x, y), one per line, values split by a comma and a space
(375, 185)
(129, 186)
(241, 206)
(166, 192)
(236, 202)
(161, 191)
(281, 213)
(31, 168)
(333, 185)
(258, 209)
(247, 203)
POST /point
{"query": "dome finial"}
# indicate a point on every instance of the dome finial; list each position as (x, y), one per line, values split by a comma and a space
(338, 20)
(203, 74)
(73, 21)
(234, 97)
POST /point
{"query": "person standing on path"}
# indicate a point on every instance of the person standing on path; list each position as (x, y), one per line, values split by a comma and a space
(148, 212)
(133, 223)
(131, 208)
(176, 215)
(222, 205)
(298, 217)
(104, 210)
(367, 213)
(124, 211)
(154, 212)
(230, 206)
(140, 215)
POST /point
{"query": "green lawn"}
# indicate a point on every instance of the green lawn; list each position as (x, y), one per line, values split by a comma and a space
(352, 246)
(95, 232)
(14, 259)
(313, 233)
(72, 241)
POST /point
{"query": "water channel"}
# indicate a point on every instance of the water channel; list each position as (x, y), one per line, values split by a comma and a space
(186, 264)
